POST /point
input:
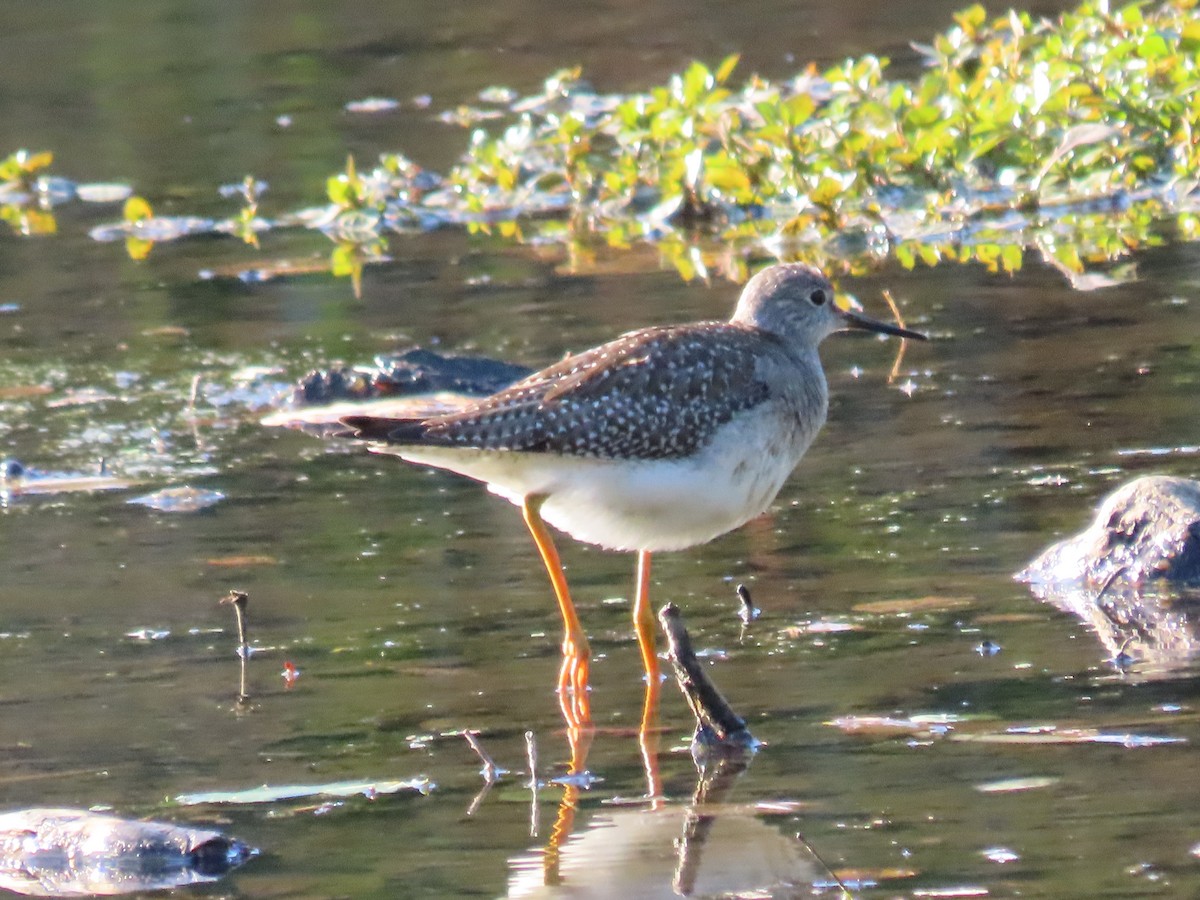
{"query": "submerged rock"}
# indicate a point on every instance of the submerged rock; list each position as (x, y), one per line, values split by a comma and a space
(1132, 575)
(415, 383)
(1148, 528)
(71, 852)
(415, 371)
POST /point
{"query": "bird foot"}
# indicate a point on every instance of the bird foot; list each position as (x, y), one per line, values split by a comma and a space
(573, 688)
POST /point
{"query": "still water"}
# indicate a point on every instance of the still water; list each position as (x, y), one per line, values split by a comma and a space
(1020, 761)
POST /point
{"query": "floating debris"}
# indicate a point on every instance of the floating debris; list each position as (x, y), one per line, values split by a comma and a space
(71, 853)
(1016, 785)
(821, 626)
(83, 396)
(1000, 855)
(17, 479)
(498, 94)
(148, 634)
(926, 724)
(1052, 734)
(268, 794)
(247, 189)
(372, 105)
(239, 562)
(179, 499)
(101, 192)
(908, 607)
(156, 229)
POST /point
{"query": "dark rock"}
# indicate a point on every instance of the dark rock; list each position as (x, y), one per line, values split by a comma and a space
(1146, 529)
(72, 852)
(1133, 575)
(415, 371)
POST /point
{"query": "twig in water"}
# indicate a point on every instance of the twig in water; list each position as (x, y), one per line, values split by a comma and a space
(748, 612)
(531, 756)
(713, 712)
(490, 771)
(194, 393)
(887, 295)
(238, 600)
(824, 865)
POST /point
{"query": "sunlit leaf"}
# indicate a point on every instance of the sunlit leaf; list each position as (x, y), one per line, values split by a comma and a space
(1011, 258)
(971, 18)
(929, 254)
(725, 69)
(137, 248)
(36, 161)
(136, 210)
(826, 191)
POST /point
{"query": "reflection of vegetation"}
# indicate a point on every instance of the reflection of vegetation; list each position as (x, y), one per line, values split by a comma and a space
(1070, 139)
(18, 193)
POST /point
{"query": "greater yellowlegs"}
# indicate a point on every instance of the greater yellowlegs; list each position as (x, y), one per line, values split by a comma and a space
(661, 439)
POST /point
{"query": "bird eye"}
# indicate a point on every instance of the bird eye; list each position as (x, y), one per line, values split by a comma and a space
(817, 297)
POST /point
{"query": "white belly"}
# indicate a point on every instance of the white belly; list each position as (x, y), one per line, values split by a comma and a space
(643, 505)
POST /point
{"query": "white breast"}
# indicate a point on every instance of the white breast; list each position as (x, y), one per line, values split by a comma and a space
(650, 505)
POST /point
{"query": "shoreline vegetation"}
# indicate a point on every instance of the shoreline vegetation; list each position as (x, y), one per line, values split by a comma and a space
(1076, 140)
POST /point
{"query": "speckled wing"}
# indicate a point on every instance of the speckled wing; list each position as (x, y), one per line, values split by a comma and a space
(658, 393)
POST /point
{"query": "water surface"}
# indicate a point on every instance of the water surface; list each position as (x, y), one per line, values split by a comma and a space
(412, 602)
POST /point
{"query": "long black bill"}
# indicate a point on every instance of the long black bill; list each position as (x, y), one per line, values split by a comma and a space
(866, 323)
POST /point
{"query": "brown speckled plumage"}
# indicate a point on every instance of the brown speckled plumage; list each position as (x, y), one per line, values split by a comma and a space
(659, 393)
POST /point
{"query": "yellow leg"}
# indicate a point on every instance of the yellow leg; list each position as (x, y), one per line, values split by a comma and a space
(644, 626)
(573, 676)
(643, 618)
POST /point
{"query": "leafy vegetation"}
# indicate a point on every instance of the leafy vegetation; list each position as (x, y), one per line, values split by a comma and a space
(1074, 139)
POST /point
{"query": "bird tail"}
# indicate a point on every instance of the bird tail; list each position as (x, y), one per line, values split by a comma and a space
(383, 429)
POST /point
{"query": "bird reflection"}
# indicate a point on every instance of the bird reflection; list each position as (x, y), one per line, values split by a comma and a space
(706, 848)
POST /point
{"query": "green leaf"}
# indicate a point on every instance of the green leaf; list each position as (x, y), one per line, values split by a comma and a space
(136, 210)
(971, 18)
(725, 69)
(929, 254)
(827, 190)
(1011, 258)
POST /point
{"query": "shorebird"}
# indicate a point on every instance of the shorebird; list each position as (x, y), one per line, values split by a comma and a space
(661, 439)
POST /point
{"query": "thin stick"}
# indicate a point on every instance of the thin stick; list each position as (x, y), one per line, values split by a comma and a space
(747, 613)
(887, 295)
(490, 771)
(238, 600)
(195, 392)
(824, 865)
(532, 756)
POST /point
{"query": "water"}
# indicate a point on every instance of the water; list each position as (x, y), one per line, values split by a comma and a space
(412, 603)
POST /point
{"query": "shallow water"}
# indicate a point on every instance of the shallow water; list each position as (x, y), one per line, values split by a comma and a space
(412, 602)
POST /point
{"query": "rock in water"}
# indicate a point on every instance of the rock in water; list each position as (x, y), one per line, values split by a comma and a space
(1148, 528)
(1132, 575)
(73, 852)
